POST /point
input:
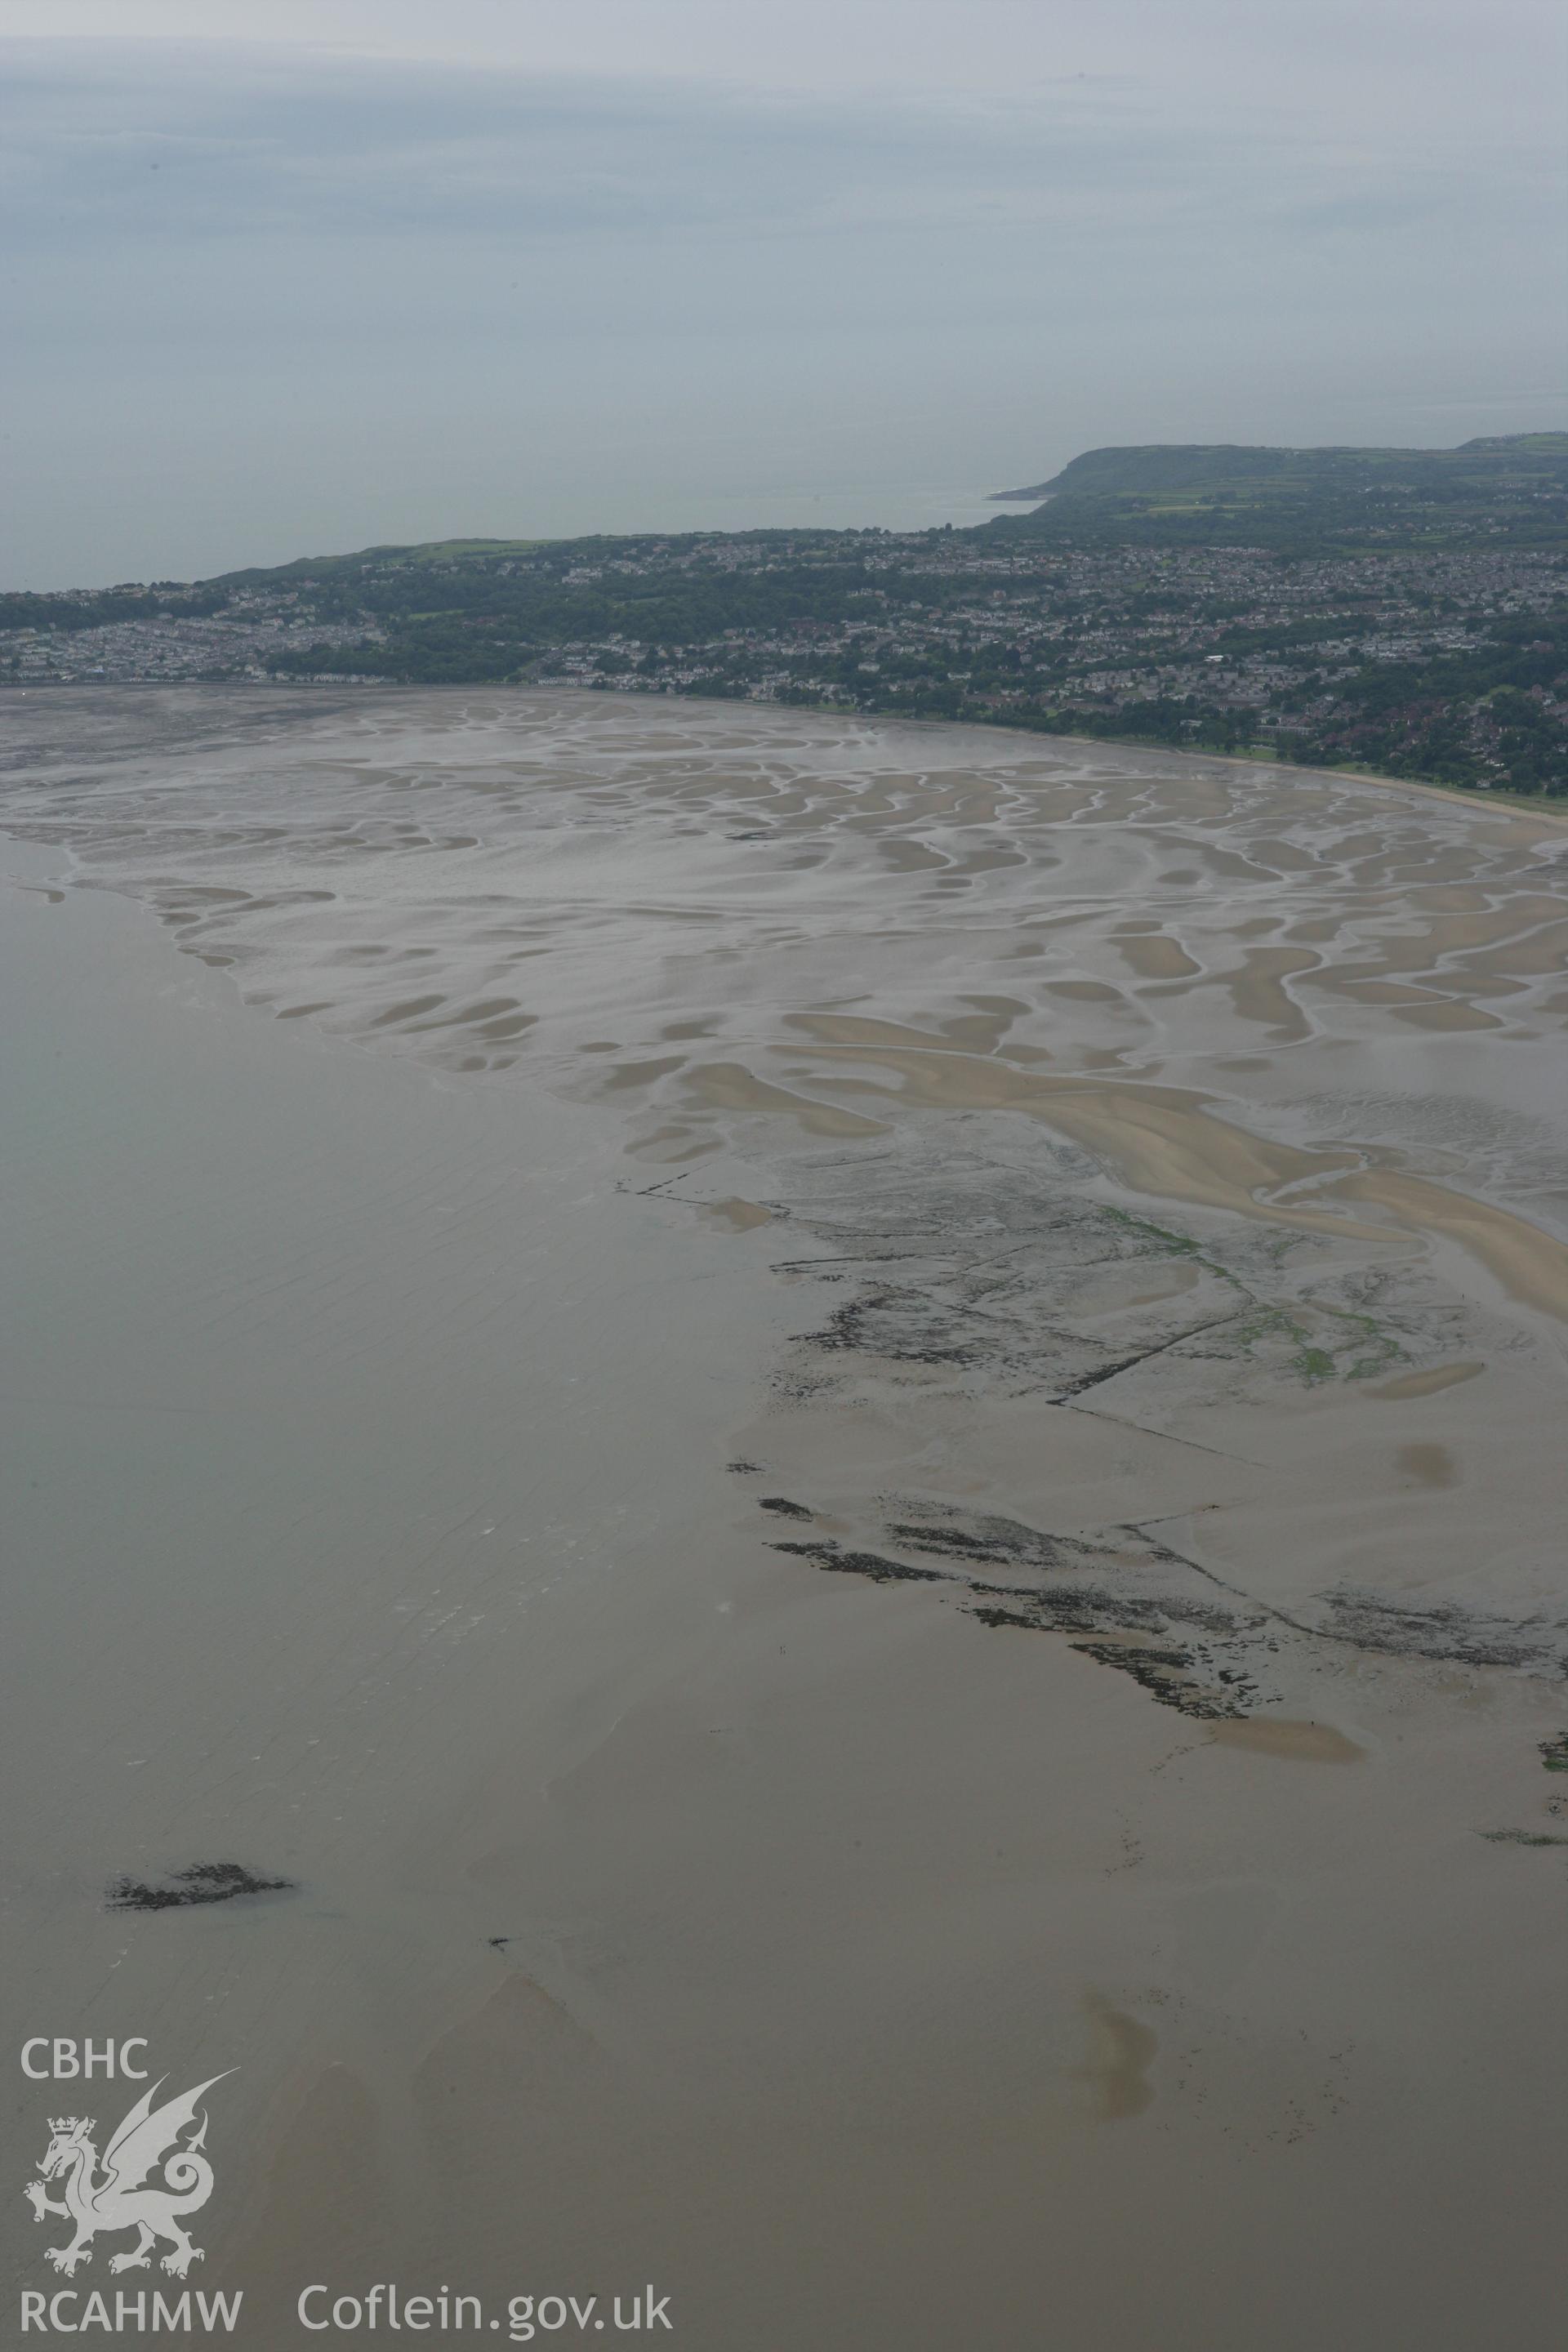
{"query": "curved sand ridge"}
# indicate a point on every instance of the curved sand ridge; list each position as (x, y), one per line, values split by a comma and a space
(1170, 1144)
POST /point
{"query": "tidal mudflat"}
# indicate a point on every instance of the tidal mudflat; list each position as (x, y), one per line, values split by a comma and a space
(836, 1449)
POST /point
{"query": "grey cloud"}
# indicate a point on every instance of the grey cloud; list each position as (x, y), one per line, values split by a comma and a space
(175, 141)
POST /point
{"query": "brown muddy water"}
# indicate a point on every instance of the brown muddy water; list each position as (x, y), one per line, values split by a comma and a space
(847, 1442)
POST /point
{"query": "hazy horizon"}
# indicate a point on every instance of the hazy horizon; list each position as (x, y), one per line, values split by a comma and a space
(319, 279)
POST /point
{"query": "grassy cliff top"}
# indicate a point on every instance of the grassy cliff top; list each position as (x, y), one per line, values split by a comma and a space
(1514, 486)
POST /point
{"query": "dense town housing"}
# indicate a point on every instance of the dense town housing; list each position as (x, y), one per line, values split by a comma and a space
(1414, 622)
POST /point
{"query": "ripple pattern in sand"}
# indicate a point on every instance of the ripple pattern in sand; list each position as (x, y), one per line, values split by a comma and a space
(1258, 991)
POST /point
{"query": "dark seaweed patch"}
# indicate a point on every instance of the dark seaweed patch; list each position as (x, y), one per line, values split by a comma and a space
(1078, 1609)
(203, 1882)
(990, 1541)
(906, 1326)
(1444, 1631)
(864, 1563)
(1162, 1672)
(784, 1507)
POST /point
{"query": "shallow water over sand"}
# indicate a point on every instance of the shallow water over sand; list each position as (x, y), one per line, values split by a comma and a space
(848, 1436)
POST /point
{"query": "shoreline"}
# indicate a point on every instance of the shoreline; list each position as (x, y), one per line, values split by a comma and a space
(1520, 803)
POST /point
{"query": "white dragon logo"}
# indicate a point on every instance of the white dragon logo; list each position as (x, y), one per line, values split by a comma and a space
(124, 2196)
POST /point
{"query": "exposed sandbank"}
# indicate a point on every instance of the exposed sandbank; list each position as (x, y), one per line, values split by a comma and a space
(847, 1442)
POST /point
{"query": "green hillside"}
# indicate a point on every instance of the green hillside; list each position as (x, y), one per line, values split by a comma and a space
(415, 557)
(1512, 490)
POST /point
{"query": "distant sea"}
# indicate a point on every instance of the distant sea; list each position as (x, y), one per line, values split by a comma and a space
(914, 506)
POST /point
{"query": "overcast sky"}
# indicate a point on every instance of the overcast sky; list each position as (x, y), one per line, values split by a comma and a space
(305, 276)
